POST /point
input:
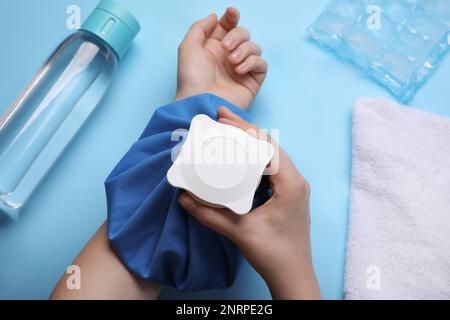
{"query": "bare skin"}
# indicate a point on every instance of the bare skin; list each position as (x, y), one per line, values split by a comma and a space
(103, 275)
(231, 67)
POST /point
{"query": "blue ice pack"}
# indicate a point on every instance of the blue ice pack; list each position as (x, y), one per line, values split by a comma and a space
(399, 43)
(151, 233)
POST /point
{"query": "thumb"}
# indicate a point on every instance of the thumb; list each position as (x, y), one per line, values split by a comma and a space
(222, 221)
(199, 31)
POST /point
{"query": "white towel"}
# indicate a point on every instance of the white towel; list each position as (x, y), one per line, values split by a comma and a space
(399, 225)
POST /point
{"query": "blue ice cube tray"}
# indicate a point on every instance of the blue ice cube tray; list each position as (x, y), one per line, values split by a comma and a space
(399, 43)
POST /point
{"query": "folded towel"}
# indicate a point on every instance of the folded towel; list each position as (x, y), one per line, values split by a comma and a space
(399, 225)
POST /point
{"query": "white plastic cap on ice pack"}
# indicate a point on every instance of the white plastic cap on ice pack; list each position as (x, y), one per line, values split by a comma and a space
(220, 165)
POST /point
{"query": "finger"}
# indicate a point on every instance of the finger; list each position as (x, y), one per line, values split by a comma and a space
(224, 112)
(222, 221)
(254, 64)
(228, 21)
(251, 130)
(199, 31)
(226, 116)
(235, 37)
(284, 174)
(243, 51)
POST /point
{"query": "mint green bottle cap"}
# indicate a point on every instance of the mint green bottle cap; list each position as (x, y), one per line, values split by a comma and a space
(114, 24)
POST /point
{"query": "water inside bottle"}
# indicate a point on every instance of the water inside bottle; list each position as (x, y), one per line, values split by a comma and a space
(38, 126)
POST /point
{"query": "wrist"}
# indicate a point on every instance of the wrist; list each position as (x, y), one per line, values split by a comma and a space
(240, 102)
(293, 281)
(183, 94)
(302, 287)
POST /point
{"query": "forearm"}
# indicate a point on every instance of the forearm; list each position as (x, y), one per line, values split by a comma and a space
(103, 275)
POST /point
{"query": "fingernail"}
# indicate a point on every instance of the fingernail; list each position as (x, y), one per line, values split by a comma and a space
(228, 42)
(237, 54)
(187, 202)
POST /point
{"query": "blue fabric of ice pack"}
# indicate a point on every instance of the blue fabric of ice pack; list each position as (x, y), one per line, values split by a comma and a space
(153, 236)
(399, 43)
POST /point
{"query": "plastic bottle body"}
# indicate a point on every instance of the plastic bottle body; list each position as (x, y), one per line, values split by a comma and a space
(38, 126)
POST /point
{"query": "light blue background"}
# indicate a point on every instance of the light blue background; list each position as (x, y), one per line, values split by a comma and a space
(308, 95)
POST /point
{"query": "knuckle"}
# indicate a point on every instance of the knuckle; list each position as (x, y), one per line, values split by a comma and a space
(252, 47)
(243, 31)
(258, 48)
(195, 25)
(253, 59)
(305, 187)
(212, 219)
(181, 46)
(246, 46)
(208, 219)
(196, 28)
(264, 64)
(302, 187)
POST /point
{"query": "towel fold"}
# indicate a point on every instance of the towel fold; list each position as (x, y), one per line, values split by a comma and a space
(399, 225)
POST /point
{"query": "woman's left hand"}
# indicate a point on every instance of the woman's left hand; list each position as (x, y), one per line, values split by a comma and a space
(218, 57)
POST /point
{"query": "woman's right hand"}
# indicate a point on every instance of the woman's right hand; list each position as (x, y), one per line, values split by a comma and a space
(275, 238)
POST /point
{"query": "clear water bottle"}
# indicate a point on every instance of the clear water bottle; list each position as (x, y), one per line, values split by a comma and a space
(38, 126)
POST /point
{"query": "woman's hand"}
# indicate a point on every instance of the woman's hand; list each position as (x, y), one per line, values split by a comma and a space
(218, 57)
(275, 238)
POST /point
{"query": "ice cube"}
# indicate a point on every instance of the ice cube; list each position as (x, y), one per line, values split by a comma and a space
(363, 46)
(437, 8)
(329, 29)
(412, 45)
(396, 10)
(427, 27)
(349, 9)
(396, 66)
